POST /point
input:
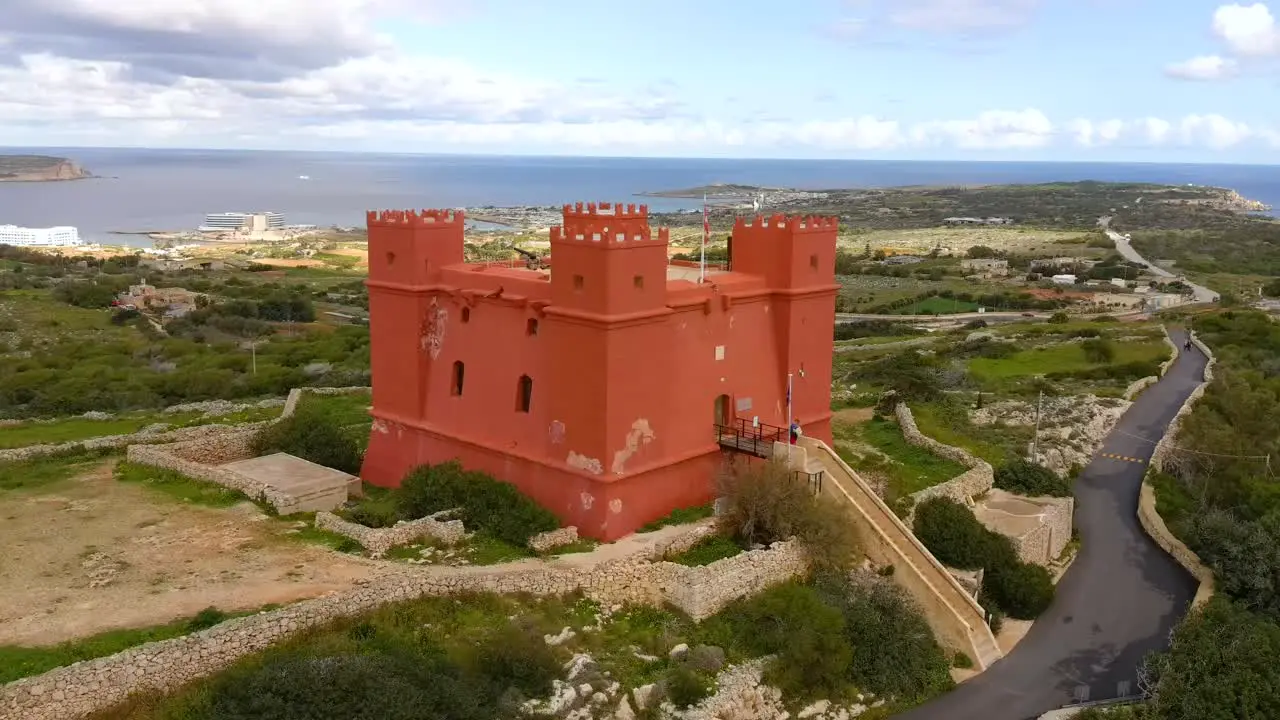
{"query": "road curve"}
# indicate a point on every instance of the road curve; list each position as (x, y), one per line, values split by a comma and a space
(1202, 293)
(1119, 599)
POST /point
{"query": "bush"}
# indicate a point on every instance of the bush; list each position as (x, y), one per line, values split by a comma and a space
(1058, 318)
(952, 533)
(1027, 478)
(956, 538)
(486, 504)
(766, 503)
(311, 435)
(1098, 350)
(685, 688)
(708, 550)
(519, 658)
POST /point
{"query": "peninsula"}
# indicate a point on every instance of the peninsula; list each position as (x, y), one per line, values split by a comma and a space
(39, 168)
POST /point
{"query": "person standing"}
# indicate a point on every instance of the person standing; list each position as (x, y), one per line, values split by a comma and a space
(796, 432)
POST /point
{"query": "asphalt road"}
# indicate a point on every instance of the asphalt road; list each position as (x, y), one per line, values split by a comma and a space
(1202, 293)
(1119, 599)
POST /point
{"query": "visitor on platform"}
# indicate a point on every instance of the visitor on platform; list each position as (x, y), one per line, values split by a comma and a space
(796, 432)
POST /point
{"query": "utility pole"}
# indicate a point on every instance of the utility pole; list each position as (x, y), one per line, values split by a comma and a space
(1035, 441)
(253, 351)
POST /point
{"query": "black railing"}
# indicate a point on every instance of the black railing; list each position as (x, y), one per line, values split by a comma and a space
(747, 437)
(814, 479)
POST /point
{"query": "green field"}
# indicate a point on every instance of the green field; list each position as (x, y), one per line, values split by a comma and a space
(908, 469)
(1068, 357)
(937, 306)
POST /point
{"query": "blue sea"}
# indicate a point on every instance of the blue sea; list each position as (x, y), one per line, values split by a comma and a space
(157, 190)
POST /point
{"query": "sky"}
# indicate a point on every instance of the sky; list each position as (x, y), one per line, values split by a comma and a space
(1121, 80)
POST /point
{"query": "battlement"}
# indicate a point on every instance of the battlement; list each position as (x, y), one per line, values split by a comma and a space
(608, 233)
(794, 223)
(414, 218)
(593, 211)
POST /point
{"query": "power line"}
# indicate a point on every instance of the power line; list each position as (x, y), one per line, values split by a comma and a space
(1194, 452)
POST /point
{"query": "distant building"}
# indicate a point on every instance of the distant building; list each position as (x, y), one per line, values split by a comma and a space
(1064, 279)
(901, 260)
(247, 222)
(62, 236)
(977, 221)
(986, 267)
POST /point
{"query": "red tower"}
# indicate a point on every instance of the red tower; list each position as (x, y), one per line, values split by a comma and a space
(595, 387)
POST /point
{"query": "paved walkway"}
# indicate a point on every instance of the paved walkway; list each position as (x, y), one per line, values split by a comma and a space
(1120, 598)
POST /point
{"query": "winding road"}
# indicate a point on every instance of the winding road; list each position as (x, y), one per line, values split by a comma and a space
(1125, 248)
(1119, 599)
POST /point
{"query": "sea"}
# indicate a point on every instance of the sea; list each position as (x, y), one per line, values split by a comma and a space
(148, 190)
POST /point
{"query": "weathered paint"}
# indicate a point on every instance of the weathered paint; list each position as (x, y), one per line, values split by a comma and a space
(622, 360)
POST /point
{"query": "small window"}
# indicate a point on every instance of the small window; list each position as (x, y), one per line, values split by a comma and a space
(524, 394)
(391, 258)
(459, 375)
(466, 314)
(531, 326)
(638, 282)
(813, 261)
(578, 282)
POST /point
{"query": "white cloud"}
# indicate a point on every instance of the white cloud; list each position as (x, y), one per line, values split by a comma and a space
(1214, 131)
(991, 130)
(1247, 30)
(1202, 67)
(961, 16)
(1088, 133)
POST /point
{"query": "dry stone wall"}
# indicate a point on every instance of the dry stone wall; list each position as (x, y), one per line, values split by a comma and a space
(703, 591)
(379, 540)
(552, 539)
(1139, 385)
(637, 577)
(150, 436)
(1154, 526)
(199, 459)
(1166, 443)
(977, 480)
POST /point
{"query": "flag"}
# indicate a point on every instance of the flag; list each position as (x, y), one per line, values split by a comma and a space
(788, 394)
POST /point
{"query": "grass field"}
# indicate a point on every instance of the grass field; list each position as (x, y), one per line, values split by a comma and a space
(937, 306)
(907, 469)
(948, 423)
(1065, 357)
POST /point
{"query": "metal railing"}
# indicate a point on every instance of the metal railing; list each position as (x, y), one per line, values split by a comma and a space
(750, 438)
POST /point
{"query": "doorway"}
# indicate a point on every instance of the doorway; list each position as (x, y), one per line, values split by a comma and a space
(724, 411)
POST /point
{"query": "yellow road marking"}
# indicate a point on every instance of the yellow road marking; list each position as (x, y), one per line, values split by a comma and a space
(1124, 458)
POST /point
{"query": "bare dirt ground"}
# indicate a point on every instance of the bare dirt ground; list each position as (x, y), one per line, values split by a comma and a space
(94, 554)
(853, 416)
(285, 262)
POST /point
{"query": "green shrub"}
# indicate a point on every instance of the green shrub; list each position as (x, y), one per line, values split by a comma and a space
(486, 504)
(311, 435)
(962, 661)
(519, 658)
(708, 550)
(1098, 350)
(685, 687)
(205, 619)
(1027, 478)
(1021, 590)
(952, 533)
(767, 503)
(1058, 318)
(894, 652)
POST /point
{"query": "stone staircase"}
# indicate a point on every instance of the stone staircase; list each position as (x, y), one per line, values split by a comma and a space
(956, 618)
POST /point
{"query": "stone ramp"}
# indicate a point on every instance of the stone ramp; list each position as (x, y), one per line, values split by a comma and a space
(314, 487)
(956, 618)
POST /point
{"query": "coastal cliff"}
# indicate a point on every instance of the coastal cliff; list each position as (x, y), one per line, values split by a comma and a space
(39, 168)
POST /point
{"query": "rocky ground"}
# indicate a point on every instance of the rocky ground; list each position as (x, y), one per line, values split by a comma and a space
(1072, 428)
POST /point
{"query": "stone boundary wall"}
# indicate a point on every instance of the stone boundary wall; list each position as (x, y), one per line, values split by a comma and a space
(705, 590)
(1168, 340)
(551, 539)
(1153, 524)
(83, 688)
(1166, 443)
(1139, 385)
(978, 479)
(213, 451)
(290, 405)
(379, 540)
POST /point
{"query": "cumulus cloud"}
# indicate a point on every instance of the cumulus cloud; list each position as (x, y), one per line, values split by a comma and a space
(1247, 30)
(1248, 33)
(1202, 67)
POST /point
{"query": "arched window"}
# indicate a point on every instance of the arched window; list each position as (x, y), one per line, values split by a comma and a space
(459, 375)
(524, 394)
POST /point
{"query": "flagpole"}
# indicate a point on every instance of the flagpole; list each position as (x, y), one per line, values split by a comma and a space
(790, 419)
(706, 231)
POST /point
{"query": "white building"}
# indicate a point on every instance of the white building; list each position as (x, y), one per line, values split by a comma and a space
(1064, 279)
(251, 222)
(39, 237)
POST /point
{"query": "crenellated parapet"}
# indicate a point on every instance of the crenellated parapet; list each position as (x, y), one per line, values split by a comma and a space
(795, 223)
(607, 223)
(414, 218)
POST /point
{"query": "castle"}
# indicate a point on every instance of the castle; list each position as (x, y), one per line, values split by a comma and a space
(601, 385)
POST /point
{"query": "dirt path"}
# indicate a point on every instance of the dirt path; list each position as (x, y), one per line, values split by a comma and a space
(95, 555)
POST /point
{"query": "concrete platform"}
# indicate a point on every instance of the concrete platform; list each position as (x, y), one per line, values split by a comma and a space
(316, 487)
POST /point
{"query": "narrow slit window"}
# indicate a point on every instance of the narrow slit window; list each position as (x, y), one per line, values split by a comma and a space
(531, 326)
(524, 394)
(459, 375)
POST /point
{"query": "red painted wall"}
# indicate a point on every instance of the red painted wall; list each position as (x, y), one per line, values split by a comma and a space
(627, 367)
